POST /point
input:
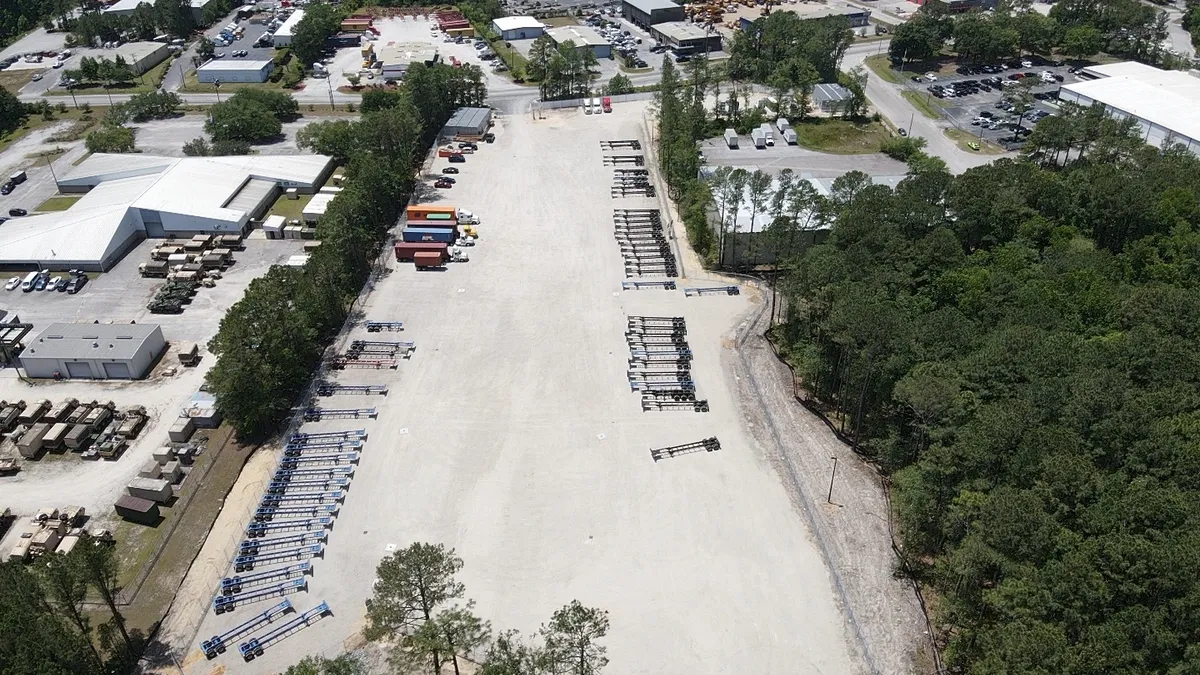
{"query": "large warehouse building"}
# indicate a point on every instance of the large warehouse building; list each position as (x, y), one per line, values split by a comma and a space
(131, 197)
(1165, 103)
(583, 38)
(94, 351)
(646, 13)
(235, 71)
(283, 36)
(518, 27)
(126, 7)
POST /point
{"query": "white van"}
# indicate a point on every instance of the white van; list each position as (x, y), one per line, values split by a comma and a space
(27, 282)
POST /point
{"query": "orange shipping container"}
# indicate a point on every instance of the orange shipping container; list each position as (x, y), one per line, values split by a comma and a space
(424, 212)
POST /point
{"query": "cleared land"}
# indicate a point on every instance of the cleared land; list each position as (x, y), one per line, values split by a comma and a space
(512, 436)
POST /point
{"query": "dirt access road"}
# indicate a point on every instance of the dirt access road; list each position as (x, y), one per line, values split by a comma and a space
(512, 436)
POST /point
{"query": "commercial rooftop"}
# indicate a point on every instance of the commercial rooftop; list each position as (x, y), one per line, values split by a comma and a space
(115, 341)
(130, 5)
(289, 24)
(516, 22)
(581, 35)
(830, 92)
(1169, 99)
(649, 6)
(681, 31)
(468, 118)
(234, 64)
(406, 53)
(129, 194)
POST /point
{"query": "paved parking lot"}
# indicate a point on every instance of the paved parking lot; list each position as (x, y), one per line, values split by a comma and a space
(964, 111)
(253, 31)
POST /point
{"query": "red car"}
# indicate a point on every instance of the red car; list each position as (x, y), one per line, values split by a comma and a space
(442, 183)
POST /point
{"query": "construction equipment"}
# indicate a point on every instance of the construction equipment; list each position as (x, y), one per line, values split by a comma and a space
(245, 563)
(235, 584)
(380, 326)
(712, 290)
(318, 414)
(228, 603)
(255, 646)
(333, 389)
(217, 643)
(707, 445)
(258, 530)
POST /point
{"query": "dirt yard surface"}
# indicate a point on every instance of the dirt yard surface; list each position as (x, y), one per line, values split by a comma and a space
(512, 436)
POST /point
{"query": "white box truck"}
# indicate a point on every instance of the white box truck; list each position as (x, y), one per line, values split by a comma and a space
(783, 125)
(789, 135)
(731, 139)
(759, 138)
(768, 133)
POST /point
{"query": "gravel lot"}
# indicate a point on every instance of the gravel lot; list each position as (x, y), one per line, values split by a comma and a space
(512, 436)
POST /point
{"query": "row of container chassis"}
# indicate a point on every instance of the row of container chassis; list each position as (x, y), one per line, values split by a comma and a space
(660, 364)
(644, 245)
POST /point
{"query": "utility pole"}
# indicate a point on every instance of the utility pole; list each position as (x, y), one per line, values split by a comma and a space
(829, 499)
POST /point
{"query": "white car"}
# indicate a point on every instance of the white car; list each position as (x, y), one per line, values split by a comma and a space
(36, 77)
(54, 282)
(13, 282)
(931, 77)
(1027, 64)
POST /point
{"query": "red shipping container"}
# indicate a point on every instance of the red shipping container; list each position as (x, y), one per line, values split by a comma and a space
(423, 259)
(406, 250)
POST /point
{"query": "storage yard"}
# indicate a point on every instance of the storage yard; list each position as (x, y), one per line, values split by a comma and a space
(498, 419)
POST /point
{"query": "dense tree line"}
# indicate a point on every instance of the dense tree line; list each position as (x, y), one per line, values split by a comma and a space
(563, 71)
(108, 71)
(783, 45)
(18, 17)
(44, 627)
(270, 343)
(13, 113)
(418, 606)
(148, 20)
(1016, 345)
(251, 116)
(1076, 28)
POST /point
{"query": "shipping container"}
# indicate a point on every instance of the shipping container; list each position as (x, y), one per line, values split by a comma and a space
(731, 139)
(431, 223)
(59, 412)
(30, 443)
(427, 259)
(440, 234)
(427, 212)
(405, 250)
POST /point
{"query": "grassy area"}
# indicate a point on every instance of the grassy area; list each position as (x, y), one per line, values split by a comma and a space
(625, 69)
(922, 104)
(840, 137)
(147, 81)
(289, 208)
(881, 65)
(35, 122)
(58, 203)
(13, 80)
(964, 138)
(556, 21)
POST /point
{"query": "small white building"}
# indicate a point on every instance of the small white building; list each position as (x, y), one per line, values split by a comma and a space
(518, 27)
(95, 351)
(233, 70)
(315, 208)
(394, 59)
(283, 36)
(583, 38)
(831, 97)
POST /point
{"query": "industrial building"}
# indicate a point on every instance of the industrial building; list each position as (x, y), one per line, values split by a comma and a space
(468, 122)
(93, 351)
(1164, 102)
(831, 98)
(647, 13)
(283, 36)
(583, 37)
(857, 17)
(126, 7)
(686, 38)
(394, 59)
(518, 27)
(131, 197)
(234, 70)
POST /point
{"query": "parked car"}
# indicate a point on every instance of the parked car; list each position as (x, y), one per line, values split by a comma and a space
(6, 188)
(36, 77)
(13, 282)
(450, 169)
(76, 283)
(447, 179)
(442, 183)
(53, 283)
(457, 159)
(903, 131)
(40, 284)
(17, 212)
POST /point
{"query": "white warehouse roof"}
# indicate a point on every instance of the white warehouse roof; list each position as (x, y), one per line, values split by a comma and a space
(1166, 98)
(649, 6)
(233, 65)
(289, 25)
(582, 36)
(516, 23)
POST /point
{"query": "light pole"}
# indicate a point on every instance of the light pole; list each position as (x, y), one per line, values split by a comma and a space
(71, 90)
(829, 499)
(217, 86)
(107, 91)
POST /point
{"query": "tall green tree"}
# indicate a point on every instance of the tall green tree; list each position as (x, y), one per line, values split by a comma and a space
(320, 21)
(572, 639)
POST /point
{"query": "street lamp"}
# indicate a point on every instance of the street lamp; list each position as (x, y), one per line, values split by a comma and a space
(108, 84)
(829, 499)
(217, 86)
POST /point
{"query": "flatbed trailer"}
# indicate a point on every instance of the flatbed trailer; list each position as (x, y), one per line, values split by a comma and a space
(335, 389)
(712, 290)
(656, 330)
(707, 445)
(279, 487)
(649, 404)
(259, 530)
(245, 563)
(255, 646)
(217, 644)
(666, 385)
(235, 584)
(344, 362)
(318, 414)
(325, 459)
(257, 546)
(381, 326)
(304, 498)
(317, 470)
(325, 445)
(267, 514)
(228, 603)
(666, 285)
(348, 434)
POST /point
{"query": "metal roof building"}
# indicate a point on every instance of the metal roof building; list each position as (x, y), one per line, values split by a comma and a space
(582, 36)
(686, 37)
(130, 197)
(518, 27)
(1165, 103)
(396, 58)
(283, 36)
(831, 97)
(234, 70)
(646, 13)
(468, 122)
(99, 351)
